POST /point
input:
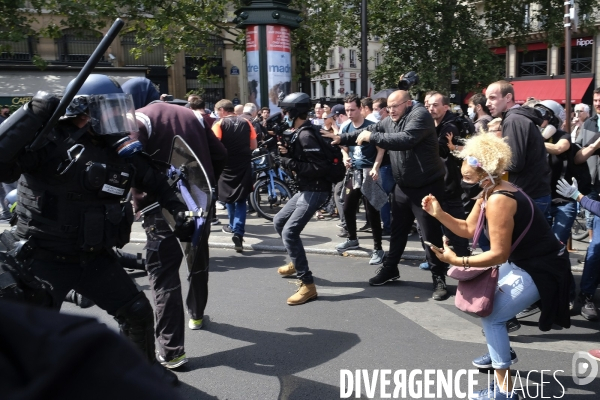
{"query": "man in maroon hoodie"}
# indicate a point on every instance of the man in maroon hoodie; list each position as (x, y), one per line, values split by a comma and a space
(159, 123)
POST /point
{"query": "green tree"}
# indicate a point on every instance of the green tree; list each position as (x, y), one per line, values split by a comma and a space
(441, 40)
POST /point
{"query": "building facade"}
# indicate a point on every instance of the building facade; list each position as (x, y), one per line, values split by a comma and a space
(342, 75)
(22, 73)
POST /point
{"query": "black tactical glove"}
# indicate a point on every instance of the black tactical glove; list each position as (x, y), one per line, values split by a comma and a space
(43, 105)
(184, 227)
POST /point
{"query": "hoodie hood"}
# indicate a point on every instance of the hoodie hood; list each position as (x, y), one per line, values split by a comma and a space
(141, 90)
(527, 112)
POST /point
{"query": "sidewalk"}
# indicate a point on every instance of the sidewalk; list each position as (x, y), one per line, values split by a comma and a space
(320, 237)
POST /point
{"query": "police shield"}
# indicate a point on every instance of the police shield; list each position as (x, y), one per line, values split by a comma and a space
(187, 175)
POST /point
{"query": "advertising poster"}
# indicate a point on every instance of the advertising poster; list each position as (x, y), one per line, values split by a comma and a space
(252, 65)
(278, 64)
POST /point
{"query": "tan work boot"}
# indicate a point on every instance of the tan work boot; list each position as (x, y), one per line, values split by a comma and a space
(305, 292)
(287, 270)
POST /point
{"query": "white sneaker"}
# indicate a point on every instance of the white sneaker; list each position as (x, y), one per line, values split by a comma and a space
(195, 324)
(377, 257)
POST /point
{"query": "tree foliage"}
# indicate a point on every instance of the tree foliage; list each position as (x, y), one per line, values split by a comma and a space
(443, 44)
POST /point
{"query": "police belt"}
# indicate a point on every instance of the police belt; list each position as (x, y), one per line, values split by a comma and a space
(45, 255)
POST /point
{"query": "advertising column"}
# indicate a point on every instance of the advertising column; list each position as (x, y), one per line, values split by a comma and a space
(252, 64)
(278, 64)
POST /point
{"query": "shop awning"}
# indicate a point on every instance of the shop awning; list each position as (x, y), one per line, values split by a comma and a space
(550, 89)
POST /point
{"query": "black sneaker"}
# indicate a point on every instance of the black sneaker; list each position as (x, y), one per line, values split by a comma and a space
(237, 243)
(588, 308)
(529, 311)
(512, 325)
(439, 288)
(365, 228)
(227, 229)
(383, 275)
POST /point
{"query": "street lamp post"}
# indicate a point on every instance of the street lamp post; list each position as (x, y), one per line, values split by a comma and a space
(364, 71)
(568, 9)
(268, 24)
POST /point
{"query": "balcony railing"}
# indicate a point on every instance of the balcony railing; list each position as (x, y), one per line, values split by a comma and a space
(533, 68)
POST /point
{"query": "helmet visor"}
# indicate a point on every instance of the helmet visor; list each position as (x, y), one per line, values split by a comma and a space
(112, 114)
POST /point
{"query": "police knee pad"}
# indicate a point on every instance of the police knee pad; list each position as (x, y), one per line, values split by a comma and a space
(136, 320)
(135, 312)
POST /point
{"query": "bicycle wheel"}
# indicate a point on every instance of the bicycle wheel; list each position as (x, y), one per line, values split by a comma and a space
(268, 204)
(579, 230)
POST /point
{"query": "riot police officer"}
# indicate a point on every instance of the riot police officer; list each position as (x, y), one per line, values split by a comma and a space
(70, 205)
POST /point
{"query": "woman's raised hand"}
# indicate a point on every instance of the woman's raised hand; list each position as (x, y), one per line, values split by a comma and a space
(431, 205)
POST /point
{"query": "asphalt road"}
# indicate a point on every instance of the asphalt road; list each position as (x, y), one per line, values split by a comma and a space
(255, 346)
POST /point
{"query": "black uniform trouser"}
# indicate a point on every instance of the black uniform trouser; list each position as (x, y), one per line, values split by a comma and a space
(102, 280)
(407, 206)
(163, 259)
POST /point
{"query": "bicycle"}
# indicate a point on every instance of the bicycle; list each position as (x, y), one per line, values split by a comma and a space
(271, 190)
(579, 230)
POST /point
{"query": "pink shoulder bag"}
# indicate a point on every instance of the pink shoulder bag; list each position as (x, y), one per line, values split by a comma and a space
(477, 286)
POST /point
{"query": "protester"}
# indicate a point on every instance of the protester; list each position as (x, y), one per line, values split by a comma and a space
(582, 113)
(319, 110)
(238, 110)
(588, 143)
(409, 136)
(448, 132)
(538, 268)
(529, 169)
(235, 184)
(478, 112)
(364, 161)
(198, 106)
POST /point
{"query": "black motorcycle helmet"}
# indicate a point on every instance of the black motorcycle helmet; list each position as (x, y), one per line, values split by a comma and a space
(296, 104)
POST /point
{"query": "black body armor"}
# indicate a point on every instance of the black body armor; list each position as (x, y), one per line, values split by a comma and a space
(68, 207)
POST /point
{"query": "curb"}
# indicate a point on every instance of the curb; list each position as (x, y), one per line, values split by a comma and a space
(320, 251)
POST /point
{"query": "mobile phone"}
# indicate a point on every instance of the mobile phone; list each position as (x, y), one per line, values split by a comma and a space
(433, 246)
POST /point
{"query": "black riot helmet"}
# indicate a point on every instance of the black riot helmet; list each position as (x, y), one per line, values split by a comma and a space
(296, 104)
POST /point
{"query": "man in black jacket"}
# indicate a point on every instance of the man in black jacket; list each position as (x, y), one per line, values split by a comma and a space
(409, 135)
(301, 153)
(448, 133)
(529, 169)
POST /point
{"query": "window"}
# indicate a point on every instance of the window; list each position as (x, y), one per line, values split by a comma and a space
(314, 89)
(533, 63)
(501, 65)
(209, 56)
(581, 59)
(332, 88)
(352, 57)
(23, 50)
(77, 45)
(331, 63)
(147, 57)
(352, 85)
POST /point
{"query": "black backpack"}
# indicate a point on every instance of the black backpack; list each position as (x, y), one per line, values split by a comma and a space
(333, 153)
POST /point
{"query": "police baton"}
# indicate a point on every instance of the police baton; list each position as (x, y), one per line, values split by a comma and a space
(78, 82)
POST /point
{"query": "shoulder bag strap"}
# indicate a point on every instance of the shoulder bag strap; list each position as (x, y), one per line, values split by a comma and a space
(516, 243)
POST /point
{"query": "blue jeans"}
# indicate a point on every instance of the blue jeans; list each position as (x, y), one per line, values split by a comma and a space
(516, 291)
(591, 268)
(289, 223)
(563, 215)
(543, 204)
(237, 216)
(387, 183)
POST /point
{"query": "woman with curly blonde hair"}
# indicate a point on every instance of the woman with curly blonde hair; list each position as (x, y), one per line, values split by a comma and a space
(536, 269)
